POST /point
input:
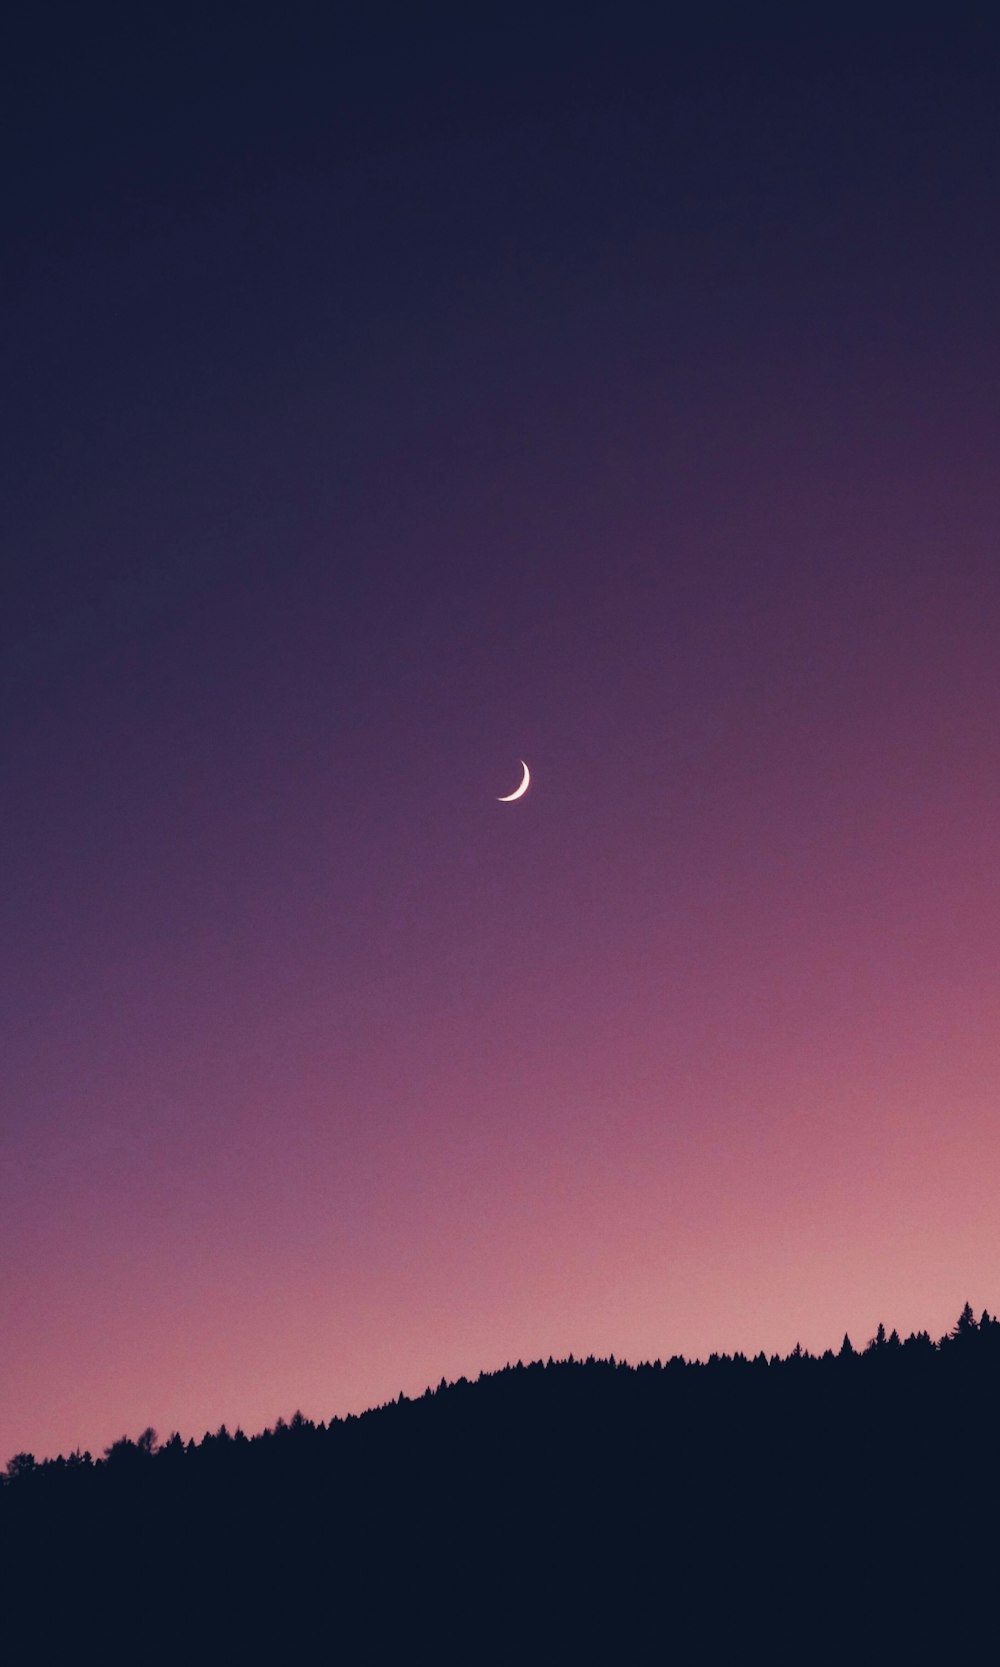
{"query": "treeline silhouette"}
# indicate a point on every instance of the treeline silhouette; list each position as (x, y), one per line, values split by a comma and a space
(812, 1507)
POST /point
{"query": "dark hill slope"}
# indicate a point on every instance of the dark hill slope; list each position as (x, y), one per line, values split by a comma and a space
(811, 1509)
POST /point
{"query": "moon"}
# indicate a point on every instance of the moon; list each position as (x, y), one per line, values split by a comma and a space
(518, 792)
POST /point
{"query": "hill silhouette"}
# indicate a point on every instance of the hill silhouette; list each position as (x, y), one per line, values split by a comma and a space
(841, 1506)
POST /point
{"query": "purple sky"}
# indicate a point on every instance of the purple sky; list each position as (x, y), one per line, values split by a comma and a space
(387, 405)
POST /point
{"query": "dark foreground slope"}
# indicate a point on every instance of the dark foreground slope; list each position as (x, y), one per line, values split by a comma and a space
(805, 1509)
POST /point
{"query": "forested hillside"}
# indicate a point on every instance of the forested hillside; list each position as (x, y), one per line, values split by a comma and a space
(814, 1506)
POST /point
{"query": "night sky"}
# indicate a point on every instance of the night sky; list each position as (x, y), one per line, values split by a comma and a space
(391, 397)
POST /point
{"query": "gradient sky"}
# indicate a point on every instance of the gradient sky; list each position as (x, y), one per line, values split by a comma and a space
(391, 399)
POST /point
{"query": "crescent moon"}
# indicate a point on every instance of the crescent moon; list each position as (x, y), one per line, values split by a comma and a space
(518, 792)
